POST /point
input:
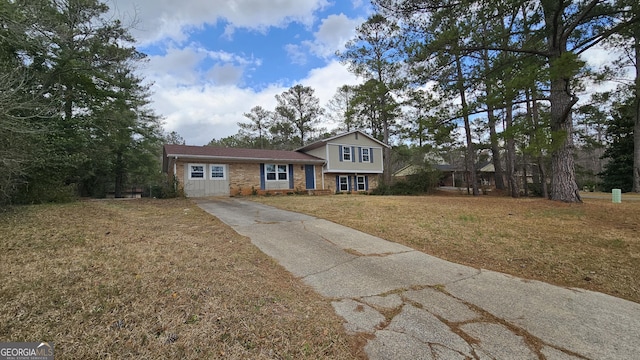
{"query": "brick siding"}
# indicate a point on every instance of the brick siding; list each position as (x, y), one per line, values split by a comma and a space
(245, 178)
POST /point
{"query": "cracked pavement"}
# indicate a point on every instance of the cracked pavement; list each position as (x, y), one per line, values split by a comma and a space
(416, 306)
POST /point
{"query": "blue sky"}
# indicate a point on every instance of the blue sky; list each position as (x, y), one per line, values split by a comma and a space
(210, 61)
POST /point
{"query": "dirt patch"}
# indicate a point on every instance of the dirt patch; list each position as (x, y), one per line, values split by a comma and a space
(594, 245)
(154, 279)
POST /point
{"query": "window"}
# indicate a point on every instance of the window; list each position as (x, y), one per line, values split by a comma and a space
(196, 171)
(270, 170)
(365, 155)
(344, 183)
(276, 172)
(217, 172)
(361, 183)
(346, 153)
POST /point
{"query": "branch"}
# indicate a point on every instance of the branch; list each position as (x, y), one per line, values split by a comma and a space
(596, 39)
(407, 8)
(483, 110)
(581, 16)
(506, 49)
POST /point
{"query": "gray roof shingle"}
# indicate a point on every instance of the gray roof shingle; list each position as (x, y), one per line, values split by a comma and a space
(237, 154)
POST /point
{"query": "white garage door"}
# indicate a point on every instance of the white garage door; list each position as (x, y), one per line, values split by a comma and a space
(206, 180)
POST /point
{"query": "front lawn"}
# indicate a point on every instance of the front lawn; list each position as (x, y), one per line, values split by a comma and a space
(594, 245)
(154, 279)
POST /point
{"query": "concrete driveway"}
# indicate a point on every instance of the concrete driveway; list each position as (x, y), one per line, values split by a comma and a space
(417, 306)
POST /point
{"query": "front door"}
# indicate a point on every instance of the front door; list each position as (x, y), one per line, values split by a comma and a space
(310, 176)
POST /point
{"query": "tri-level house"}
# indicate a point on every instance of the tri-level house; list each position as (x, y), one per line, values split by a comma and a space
(353, 161)
(349, 162)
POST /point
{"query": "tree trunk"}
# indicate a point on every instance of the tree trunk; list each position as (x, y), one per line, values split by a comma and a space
(68, 104)
(563, 176)
(636, 114)
(525, 174)
(119, 172)
(514, 189)
(386, 172)
(543, 177)
(493, 136)
(535, 122)
(387, 155)
(495, 150)
(471, 158)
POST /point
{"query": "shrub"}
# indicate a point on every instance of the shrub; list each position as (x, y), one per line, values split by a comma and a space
(166, 189)
(424, 181)
(38, 192)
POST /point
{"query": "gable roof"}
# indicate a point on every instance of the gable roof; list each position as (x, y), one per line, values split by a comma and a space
(486, 167)
(237, 154)
(406, 170)
(323, 142)
(412, 169)
(448, 167)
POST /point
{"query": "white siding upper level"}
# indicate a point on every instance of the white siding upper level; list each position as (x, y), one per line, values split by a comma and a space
(353, 158)
(354, 152)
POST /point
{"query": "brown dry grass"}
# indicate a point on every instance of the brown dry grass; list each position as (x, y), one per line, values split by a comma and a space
(594, 245)
(154, 279)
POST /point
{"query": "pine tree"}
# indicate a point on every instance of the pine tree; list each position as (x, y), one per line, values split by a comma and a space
(300, 108)
(556, 32)
(83, 64)
(618, 171)
(375, 54)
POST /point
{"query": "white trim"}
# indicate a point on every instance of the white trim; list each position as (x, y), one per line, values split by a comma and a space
(353, 171)
(175, 179)
(204, 171)
(286, 172)
(356, 145)
(249, 159)
(362, 149)
(326, 156)
(346, 149)
(327, 140)
(224, 172)
(175, 167)
(340, 177)
(364, 183)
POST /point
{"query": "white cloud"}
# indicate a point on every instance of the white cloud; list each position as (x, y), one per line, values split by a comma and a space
(201, 108)
(178, 65)
(226, 74)
(187, 66)
(357, 3)
(200, 113)
(159, 20)
(199, 91)
(228, 57)
(598, 56)
(332, 35)
(326, 80)
(296, 54)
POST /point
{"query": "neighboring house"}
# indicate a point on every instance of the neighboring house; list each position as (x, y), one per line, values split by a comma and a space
(405, 172)
(343, 163)
(451, 175)
(487, 175)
